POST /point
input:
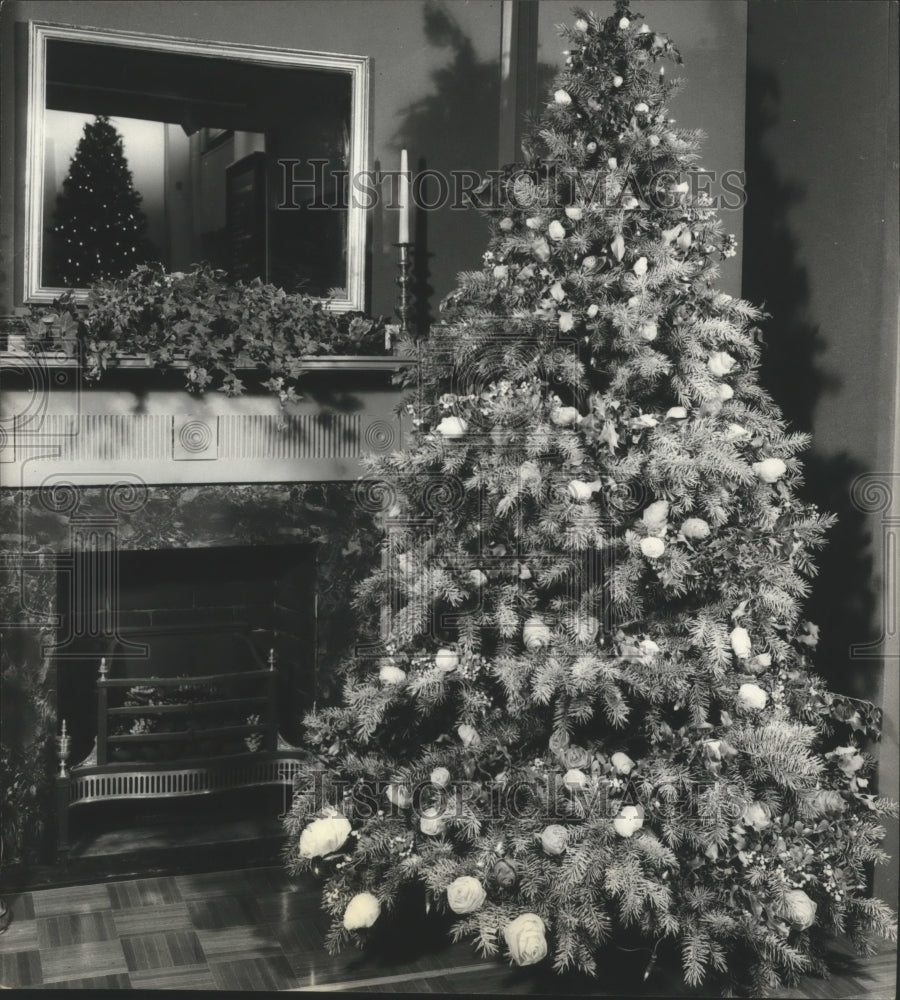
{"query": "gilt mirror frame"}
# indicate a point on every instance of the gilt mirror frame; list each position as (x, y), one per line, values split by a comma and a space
(42, 32)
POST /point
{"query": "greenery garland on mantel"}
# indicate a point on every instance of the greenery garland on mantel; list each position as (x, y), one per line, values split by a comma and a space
(198, 321)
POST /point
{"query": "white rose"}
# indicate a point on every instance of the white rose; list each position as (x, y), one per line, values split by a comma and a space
(398, 795)
(526, 939)
(652, 548)
(562, 97)
(629, 201)
(721, 363)
(557, 292)
(452, 427)
(533, 222)
(770, 470)
(589, 263)
(617, 80)
(391, 675)
(649, 330)
(799, 909)
(581, 24)
(575, 780)
(465, 894)
(695, 527)
(740, 643)
(432, 822)
(640, 266)
(440, 776)
(644, 420)
(629, 820)
(641, 108)
(648, 647)
(760, 663)
(535, 634)
(468, 734)
(446, 660)
(751, 696)
(581, 491)
(653, 140)
(676, 413)
(362, 911)
(566, 322)
(592, 310)
(506, 224)
(556, 230)
(478, 577)
(735, 432)
(565, 416)
(757, 815)
(656, 513)
(725, 392)
(324, 836)
(575, 213)
(554, 839)
(622, 763)
(501, 272)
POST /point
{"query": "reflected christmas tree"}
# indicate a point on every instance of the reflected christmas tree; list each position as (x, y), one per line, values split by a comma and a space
(99, 230)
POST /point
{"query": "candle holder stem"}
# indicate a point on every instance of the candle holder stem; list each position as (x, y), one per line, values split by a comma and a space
(403, 282)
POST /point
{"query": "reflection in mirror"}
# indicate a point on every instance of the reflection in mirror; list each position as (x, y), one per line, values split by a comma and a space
(148, 149)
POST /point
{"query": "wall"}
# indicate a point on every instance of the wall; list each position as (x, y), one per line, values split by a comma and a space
(712, 38)
(435, 86)
(821, 250)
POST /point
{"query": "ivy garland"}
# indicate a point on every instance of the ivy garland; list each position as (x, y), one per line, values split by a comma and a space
(220, 329)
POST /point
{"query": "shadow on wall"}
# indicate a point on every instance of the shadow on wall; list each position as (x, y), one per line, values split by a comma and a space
(448, 123)
(842, 603)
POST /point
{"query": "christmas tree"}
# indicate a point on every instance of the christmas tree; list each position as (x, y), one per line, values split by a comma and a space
(591, 717)
(99, 229)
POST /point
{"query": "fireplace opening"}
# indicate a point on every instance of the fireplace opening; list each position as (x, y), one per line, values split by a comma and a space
(180, 672)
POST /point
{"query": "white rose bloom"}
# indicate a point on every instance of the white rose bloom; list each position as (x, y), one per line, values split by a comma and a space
(757, 815)
(761, 662)
(446, 660)
(362, 911)
(557, 292)
(592, 310)
(565, 416)
(581, 24)
(575, 780)
(696, 528)
(478, 577)
(740, 643)
(652, 548)
(324, 836)
(501, 272)
(589, 263)
(676, 413)
(641, 108)
(526, 939)
(535, 634)
(529, 472)
(562, 97)
(391, 675)
(648, 647)
(580, 490)
(736, 432)
(575, 213)
(398, 795)
(452, 427)
(556, 230)
(622, 763)
(566, 322)
(752, 697)
(725, 392)
(656, 513)
(799, 909)
(465, 894)
(468, 734)
(617, 80)
(440, 776)
(770, 470)
(432, 822)
(649, 331)
(640, 266)
(721, 363)
(629, 821)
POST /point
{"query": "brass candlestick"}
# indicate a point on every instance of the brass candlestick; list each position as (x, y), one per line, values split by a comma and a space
(403, 282)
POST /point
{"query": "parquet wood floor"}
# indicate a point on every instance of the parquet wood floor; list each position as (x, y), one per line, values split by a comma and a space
(257, 930)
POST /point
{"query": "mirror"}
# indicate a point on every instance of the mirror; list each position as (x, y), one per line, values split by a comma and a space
(151, 149)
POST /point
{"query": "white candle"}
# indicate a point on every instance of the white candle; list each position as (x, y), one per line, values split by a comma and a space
(404, 197)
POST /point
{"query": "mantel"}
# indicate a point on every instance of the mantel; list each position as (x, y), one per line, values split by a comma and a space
(140, 425)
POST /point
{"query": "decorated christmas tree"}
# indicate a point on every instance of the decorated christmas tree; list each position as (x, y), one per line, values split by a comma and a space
(588, 716)
(99, 230)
